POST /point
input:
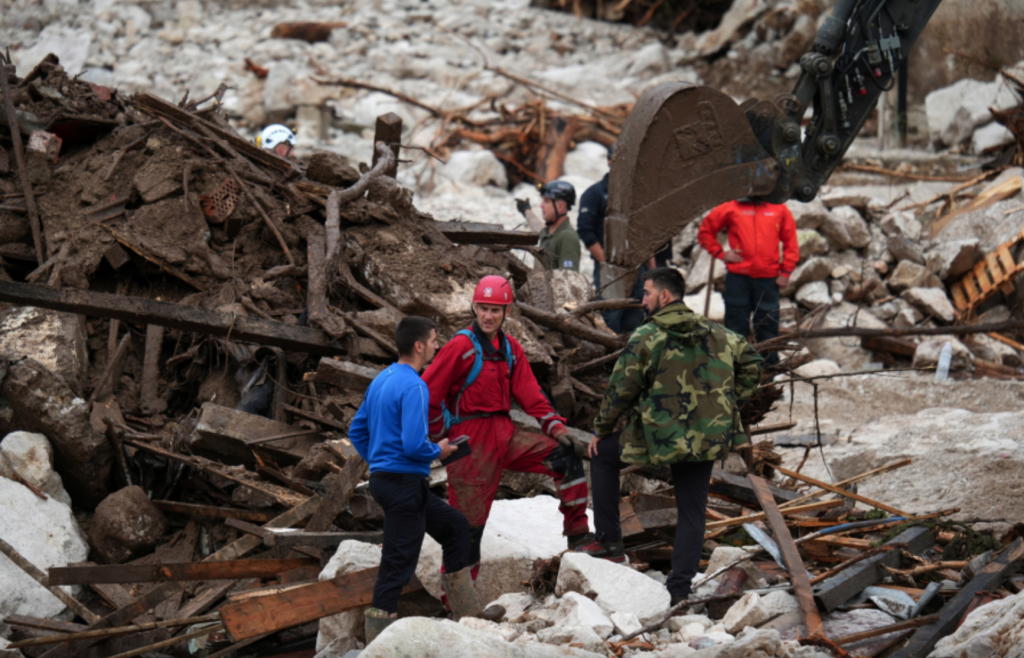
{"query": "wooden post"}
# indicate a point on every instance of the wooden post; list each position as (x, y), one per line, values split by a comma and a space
(791, 556)
(151, 401)
(389, 131)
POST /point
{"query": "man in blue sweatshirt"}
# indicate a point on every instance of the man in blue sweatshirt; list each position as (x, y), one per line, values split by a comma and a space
(390, 433)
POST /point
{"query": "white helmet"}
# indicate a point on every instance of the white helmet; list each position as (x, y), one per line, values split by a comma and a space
(273, 135)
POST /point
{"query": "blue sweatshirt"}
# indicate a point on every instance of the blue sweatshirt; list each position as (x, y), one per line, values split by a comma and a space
(390, 428)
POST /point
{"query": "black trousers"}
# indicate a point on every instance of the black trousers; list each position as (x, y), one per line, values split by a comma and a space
(746, 295)
(691, 481)
(410, 511)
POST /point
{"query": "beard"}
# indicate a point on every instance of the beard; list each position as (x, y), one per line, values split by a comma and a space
(657, 307)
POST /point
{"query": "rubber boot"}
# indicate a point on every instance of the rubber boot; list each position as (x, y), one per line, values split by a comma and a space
(376, 621)
(462, 594)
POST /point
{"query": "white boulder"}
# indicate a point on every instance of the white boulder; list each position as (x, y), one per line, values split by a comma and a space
(818, 368)
(577, 610)
(994, 629)
(476, 168)
(814, 294)
(928, 351)
(779, 602)
(350, 557)
(932, 302)
(955, 111)
(504, 631)
(808, 215)
(697, 277)
(991, 136)
(443, 638)
(725, 555)
(46, 534)
(588, 160)
(614, 587)
(518, 532)
(716, 310)
(747, 611)
(515, 604)
(625, 623)
(31, 455)
(951, 259)
(844, 227)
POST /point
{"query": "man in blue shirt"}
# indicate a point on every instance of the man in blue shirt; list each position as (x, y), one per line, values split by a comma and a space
(390, 433)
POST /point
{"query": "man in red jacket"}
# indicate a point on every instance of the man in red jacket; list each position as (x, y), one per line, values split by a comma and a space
(756, 272)
(472, 382)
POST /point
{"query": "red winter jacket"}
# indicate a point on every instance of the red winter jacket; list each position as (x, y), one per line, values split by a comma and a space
(755, 230)
(489, 393)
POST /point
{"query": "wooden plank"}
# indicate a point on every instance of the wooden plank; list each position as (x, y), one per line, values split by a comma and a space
(790, 556)
(389, 131)
(659, 518)
(303, 538)
(989, 579)
(346, 375)
(301, 604)
(627, 519)
(737, 488)
(842, 492)
(316, 418)
(212, 511)
(150, 401)
(38, 623)
(175, 316)
(885, 630)
(840, 588)
(156, 573)
(484, 233)
(342, 486)
(855, 479)
(801, 509)
(140, 605)
(889, 345)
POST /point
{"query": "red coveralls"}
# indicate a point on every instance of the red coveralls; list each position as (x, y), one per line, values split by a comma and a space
(495, 441)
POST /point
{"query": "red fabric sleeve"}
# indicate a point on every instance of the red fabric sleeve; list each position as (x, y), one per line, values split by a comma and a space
(707, 235)
(446, 370)
(790, 244)
(528, 394)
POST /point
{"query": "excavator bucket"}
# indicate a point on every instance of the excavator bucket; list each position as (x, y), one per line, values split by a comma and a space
(683, 150)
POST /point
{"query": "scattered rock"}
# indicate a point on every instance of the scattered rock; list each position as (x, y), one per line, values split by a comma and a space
(724, 555)
(506, 633)
(901, 224)
(32, 457)
(44, 532)
(614, 587)
(955, 111)
(808, 215)
(626, 623)
(932, 302)
(55, 340)
(777, 603)
(907, 275)
(577, 610)
(125, 525)
(927, 354)
(515, 604)
(996, 628)
(747, 611)
(813, 269)
(432, 638)
(330, 169)
(848, 354)
(818, 368)
(476, 168)
(697, 277)
(989, 137)
(813, 294)
(951, 259)
(811, 243)
(903, 249)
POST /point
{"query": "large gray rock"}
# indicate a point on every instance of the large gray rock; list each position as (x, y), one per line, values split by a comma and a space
(808, 215)
(811, 243)
(614, 587)
(697, 277)
(928, 351)
(844, 227)
(990, 349)
(443, 638)
(992, 225)
(125, 525)
(901, 224)
(848, 354)
(31, 455)
(994, 629)
(991, 136)
(351, 556)
(518, 532)
(814, 294)
(46, 534)
(476, 168)
(932, 302)
(44, 403)
(955, 111)
(56, 340)
(813, 269)
(747, 611)
(751, 643)
(903, 249)
(953, 258)
(907, 275)
(577, 610)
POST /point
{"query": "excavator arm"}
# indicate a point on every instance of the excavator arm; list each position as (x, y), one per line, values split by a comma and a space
(685, 149)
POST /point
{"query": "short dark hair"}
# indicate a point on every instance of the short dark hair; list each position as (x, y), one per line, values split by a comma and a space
(667, 278)
(411, 330)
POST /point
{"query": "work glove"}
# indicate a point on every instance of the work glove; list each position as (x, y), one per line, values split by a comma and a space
(522, 205)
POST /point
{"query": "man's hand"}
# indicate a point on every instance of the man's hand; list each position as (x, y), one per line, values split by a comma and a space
(522, 205)
(731, 256)
(597, 252)
(558, 432)
(782, 281)
(446, 449)
(592, 447)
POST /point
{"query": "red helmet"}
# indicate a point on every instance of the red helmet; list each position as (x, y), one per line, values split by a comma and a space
(493, 289)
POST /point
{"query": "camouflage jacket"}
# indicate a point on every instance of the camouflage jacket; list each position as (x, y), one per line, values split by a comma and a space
(678, 386)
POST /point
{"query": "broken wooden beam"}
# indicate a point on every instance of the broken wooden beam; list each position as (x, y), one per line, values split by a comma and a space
(302, 604)
(790, 556)
(111, 632)
(989, 579)
(212, 511)
(228, 434)
(176, 316)
(842, 492)
(738, 488)
(303, 538)
(388, 130)
(855, 479)
(889, 345)
(342, 486)
(344, 374)
(158, 573)
(837, 590)
(567, 324)
(740, 520)
(484, 233)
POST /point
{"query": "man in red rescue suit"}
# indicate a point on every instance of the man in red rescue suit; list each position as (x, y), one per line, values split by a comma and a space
(756, 272)
(478, 406)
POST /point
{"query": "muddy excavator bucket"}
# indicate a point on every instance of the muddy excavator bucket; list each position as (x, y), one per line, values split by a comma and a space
(683, 150)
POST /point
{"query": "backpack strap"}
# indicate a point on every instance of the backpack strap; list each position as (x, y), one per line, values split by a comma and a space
(455, 418)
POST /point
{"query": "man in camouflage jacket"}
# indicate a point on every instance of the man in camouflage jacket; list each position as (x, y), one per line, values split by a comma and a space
(675, 393)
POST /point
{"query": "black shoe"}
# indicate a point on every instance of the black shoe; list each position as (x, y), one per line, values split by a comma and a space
(613, 551)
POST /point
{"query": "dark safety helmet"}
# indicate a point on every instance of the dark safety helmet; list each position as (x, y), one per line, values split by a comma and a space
(559, 190)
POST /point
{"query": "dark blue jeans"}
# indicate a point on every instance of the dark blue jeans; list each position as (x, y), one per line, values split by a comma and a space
(746, 296)
(410, 511)
(692, 481)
